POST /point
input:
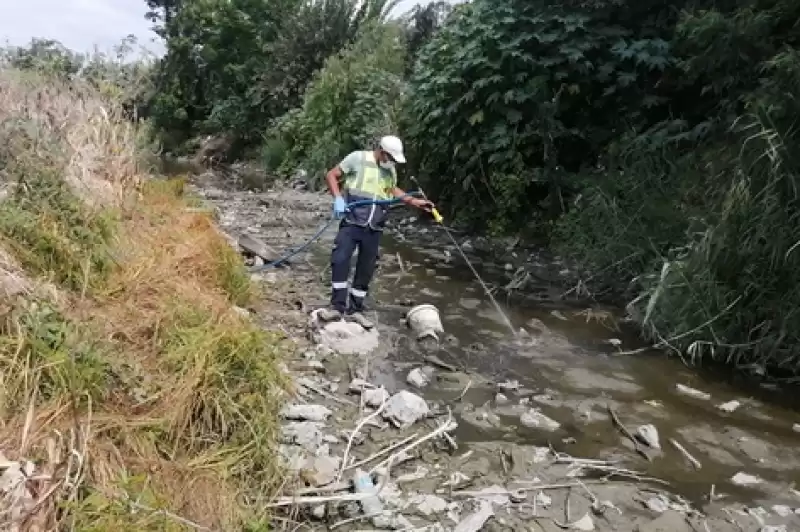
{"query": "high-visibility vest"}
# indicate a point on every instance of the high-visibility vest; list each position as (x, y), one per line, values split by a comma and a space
(370, 182)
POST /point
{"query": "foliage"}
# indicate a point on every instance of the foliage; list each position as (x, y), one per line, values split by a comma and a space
(233, 66)
(149, 381)
(353, 100)
(508, 94)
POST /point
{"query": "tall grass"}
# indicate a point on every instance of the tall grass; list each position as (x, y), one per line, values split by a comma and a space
(146, 399)
(733, 294)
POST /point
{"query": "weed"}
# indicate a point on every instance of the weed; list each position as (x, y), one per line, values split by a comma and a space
(52, 232)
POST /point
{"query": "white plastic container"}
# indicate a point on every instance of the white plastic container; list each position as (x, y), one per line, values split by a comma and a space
(424, 320)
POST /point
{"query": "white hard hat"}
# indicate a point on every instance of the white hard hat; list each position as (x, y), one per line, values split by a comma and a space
(394, 147)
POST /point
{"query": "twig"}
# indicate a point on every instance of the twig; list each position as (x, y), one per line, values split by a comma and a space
(692, 460)
(356, 430)
(354, 519)
(446, 426)
(306, 383)
(383, 451)
(622, 428)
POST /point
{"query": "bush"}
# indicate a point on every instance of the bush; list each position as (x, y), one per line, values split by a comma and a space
(353, 100)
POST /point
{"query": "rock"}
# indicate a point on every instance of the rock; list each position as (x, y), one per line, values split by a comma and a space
(542, 499)
(743, 479)
(344, 337)
(375, 397)
(772, 528)
(321, 470)
(306, 434)
(536, 420)
(691, 392)
(796, 427)
(359, 385)
(657, 504)
(429, 504)
(782, 510)
(730, 406)
(420, 377)
(318, 512)
(306, 412)
(649, 435)
(405, 408)
(258, 248)
(500, 399)
(475, 521)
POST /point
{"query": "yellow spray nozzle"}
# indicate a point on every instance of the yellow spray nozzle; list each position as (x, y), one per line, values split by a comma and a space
(437, 216)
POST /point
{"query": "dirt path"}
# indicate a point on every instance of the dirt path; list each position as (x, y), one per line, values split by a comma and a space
(338, 419)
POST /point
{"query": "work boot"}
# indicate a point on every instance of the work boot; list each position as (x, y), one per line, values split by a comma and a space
(329, 314)
(358, 317)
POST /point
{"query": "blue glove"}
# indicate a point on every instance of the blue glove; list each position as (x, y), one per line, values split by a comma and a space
(339, 207)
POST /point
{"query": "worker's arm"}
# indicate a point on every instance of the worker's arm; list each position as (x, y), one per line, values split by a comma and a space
(332, 178)
(412, 201)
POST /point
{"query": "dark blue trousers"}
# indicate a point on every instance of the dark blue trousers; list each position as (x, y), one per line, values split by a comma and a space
(350, 238)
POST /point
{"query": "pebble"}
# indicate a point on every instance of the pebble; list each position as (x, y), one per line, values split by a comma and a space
(743, 479)
(500, 399)
(535, 419)
(649, 435)
(418, 377)
(730, 406)
(405, 408)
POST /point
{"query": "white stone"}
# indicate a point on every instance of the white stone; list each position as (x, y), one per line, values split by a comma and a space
(649, 435)
(375, 397)
(743, 479)
(306, 434)
(730, 406)
(536, 420)
(429, 504)
(417, 377)
(405, 408)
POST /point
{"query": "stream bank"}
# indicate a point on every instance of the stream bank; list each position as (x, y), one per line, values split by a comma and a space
(504, 394)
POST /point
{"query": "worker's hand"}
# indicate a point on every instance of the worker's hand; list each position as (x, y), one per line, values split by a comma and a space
(423, 204)
(339, 207)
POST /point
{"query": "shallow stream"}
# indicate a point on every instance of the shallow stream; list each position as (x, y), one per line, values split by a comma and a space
(572, 372)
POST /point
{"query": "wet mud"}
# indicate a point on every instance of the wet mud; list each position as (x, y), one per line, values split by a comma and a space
(567, 367)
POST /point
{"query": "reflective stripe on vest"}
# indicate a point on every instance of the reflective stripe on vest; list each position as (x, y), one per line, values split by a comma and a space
(371, 180)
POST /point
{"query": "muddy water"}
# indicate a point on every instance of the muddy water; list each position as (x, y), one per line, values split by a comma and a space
(571, 372)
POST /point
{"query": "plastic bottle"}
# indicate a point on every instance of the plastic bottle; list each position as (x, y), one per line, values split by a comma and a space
(362, 483)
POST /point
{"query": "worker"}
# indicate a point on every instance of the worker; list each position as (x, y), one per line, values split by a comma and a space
(369, 175)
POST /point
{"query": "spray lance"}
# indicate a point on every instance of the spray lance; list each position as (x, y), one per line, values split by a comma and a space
(439, 219)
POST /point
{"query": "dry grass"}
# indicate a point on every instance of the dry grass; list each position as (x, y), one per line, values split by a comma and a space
(150, 401)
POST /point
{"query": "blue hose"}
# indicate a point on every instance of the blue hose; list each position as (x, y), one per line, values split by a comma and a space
(325, 226)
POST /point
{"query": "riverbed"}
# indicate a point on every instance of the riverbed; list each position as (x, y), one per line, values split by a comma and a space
(569, 363)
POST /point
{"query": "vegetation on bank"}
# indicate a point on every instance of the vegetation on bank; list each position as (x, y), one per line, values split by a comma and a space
(651, 142)
(130, 379)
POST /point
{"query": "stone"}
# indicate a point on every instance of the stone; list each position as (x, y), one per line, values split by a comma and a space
(306, 412)
(306, 434)
(344, 337)
(649, 435)
(418, 377)
(744, 479)
(500, 399)
(536, 420)
(321, 470)
(375, 397)
(429, 504)
(405, 408)
(730, 406)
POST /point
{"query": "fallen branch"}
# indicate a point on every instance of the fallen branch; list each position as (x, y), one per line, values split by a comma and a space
(691, 459)
(624, 430)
